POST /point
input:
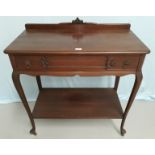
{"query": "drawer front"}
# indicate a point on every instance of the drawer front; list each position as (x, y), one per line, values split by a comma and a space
(123, 62)
(61, 63)
(77, 63)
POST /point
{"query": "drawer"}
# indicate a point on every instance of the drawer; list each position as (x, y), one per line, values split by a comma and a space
(122, 62)
(61, 63)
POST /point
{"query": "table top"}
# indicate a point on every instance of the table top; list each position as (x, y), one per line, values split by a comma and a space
(75, 38)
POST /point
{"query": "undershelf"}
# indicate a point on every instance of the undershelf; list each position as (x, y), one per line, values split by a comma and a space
(77, 103)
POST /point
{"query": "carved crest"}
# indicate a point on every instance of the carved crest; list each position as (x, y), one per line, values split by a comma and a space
(77, 21)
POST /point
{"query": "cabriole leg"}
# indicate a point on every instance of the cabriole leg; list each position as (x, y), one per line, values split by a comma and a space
(18, 86)
(138, 79)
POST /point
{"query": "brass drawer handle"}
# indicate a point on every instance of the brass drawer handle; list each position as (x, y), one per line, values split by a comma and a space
(28, 64)
(126, 63)
(44, 62)
(111, 63)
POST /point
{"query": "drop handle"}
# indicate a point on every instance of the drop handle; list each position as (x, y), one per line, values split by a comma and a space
(44, 62)
(28, 64)
(111, 64)
(125, 64)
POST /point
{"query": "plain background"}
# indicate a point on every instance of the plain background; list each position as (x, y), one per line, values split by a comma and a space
(80, 7)
(11, 27)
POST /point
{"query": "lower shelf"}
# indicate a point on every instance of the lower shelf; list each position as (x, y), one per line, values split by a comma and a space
(78, 103)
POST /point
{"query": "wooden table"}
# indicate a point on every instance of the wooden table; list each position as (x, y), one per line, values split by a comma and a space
(83, 49)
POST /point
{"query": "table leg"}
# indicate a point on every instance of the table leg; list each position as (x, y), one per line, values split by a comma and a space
(138, 79)
(18, 86)
(117, 79)
(39, 82)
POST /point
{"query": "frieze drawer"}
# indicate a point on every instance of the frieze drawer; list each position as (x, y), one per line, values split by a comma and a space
(61, 63)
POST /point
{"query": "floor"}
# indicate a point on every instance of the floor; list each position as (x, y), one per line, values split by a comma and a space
(140, 123)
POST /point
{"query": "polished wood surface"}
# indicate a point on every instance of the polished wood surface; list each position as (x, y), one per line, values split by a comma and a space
(65, 38)
(138, 80)
(18, 86)
(76, 63)
(117, 79)
(77, 48)
(77, 103)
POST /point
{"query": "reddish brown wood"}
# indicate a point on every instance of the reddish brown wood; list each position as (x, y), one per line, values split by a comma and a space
(18, 86)
(141, 61)
(114, 39)
(77, 48)
(138, 80)
(78, 103)
(82, 63)
(39, 82)
(85, 27)
(117, 62)
(78, 73)
(61, 63)
(77, 25)
(116, 83)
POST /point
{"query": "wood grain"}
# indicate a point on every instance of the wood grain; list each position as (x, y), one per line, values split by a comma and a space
(77, 48)
(64, 38)
(78, 103)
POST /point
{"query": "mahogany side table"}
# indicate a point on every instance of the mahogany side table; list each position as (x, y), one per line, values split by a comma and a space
(77, 48)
